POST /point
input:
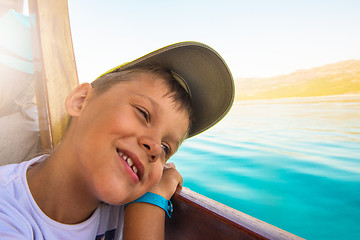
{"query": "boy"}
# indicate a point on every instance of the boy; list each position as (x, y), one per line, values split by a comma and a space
(124, 128)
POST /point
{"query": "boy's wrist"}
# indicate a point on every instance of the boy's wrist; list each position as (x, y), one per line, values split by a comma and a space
(157, 200)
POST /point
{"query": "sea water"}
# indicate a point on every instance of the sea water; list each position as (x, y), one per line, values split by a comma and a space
(293, 163)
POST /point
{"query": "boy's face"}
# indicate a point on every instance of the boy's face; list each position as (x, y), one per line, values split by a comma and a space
(124, 136)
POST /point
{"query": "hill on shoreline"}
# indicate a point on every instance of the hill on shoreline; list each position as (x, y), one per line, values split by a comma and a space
(331, 79)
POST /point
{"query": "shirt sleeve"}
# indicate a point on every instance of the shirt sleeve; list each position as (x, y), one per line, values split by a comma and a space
(13, 225)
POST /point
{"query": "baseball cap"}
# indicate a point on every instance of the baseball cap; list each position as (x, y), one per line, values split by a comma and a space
(204, 75)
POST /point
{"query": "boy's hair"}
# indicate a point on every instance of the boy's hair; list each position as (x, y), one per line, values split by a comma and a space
(179, 95)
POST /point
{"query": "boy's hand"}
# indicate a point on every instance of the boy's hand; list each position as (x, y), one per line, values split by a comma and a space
(171, 178)
(150, 218)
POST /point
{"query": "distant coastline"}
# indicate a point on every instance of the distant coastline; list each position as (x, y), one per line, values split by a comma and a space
(340, 78)
(343, 98)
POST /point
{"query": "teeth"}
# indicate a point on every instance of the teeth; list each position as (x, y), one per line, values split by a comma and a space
(124, 156)
(129, 161)
(134, 169)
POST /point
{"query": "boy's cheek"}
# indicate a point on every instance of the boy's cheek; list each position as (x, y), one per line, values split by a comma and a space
(157, 176)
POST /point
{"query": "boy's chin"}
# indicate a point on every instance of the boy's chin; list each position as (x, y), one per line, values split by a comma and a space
(115, 200)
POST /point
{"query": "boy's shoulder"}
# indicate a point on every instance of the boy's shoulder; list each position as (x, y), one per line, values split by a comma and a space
(12, 176)
(13, 223)
(9, 173)
(11, 208)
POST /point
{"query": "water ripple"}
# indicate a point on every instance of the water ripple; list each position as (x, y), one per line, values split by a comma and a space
(294, 163)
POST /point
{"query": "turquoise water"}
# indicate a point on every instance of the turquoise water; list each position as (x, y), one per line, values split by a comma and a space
(294, 163)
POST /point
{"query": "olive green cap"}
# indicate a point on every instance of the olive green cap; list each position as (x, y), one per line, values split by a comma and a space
(204, 75)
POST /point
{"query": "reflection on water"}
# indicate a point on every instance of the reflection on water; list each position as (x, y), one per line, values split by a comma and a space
(294, 163)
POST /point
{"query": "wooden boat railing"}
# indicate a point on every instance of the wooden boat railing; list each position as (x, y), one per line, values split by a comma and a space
(198, 217)
(195, 216)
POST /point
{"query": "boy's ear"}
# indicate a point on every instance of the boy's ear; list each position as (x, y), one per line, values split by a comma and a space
(75, 101)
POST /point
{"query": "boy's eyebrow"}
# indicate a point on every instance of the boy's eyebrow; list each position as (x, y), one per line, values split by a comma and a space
(155, 104)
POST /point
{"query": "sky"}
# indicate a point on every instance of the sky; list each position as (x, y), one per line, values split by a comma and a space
(258, 38)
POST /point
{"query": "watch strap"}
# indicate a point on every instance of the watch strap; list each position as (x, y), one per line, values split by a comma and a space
(156, 200)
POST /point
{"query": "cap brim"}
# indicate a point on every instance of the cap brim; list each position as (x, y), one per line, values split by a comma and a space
(209, 79)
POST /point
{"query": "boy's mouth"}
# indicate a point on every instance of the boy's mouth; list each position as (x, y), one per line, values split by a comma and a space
(131, 164)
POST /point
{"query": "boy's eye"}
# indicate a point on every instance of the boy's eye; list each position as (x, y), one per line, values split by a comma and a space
(166, 149)
(144, 113)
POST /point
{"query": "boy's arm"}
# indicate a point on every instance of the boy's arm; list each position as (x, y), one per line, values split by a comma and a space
(147, 221)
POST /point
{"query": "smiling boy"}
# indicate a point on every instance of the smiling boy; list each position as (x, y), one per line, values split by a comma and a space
(124, 128)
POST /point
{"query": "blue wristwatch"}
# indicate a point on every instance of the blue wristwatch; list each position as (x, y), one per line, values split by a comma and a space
(156, 200)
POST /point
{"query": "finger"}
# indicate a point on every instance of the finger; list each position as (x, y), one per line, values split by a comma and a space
(181, 181)
(169, 165)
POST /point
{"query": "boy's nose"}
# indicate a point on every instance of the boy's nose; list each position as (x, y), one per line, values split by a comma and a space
(151, 147)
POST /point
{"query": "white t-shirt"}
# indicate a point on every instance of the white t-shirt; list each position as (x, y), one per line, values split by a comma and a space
(21, 218)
